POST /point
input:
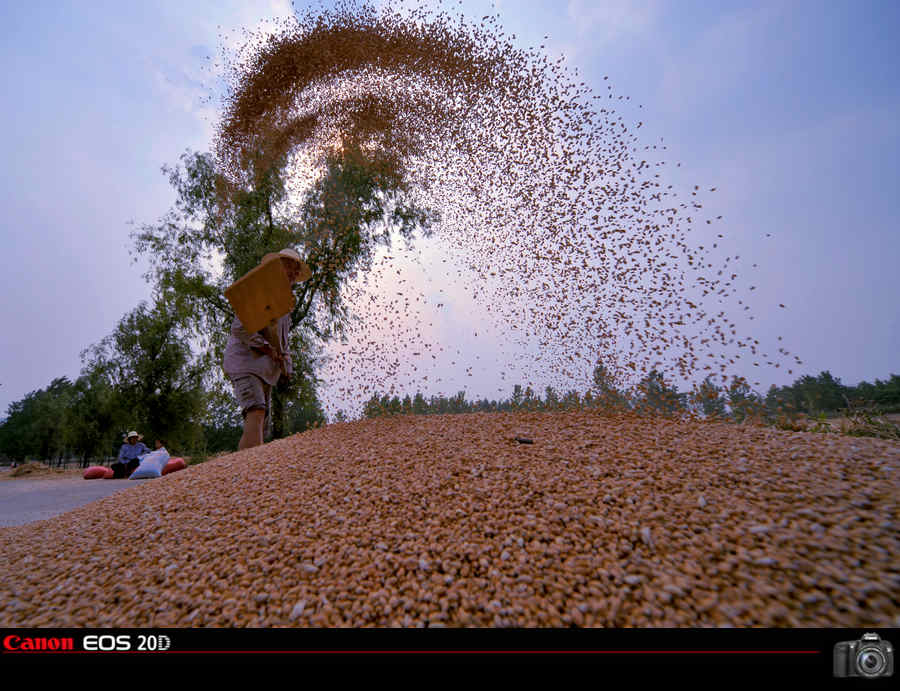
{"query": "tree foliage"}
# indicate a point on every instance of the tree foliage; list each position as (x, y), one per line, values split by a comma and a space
(655, 395)
(96, 415)
(709, 399)
(148, 362)
(606, 392)
(215, 233)
(86, 419)
(160, 369)
(737, 401)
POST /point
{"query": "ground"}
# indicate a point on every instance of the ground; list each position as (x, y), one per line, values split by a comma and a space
(449, 521)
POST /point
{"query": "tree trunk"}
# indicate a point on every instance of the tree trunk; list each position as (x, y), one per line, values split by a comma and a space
(279, 395)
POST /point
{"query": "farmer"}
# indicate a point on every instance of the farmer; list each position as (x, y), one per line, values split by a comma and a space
(254, 364)
(129, 455)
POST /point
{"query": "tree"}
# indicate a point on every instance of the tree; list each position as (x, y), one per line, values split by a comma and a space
(358, 203)
(831, 392)
(743, 401)
(37, 425)
(458, 403)
(887, 394)
(708, 399)
(820, 394)
(17, 434)
(96, 419)
(373, 408)
(826, 393)
(53, 414)
(439, 405)
(40, 425)
(605, 393)
(551, 400)
(529, 401)
(588, 401)
(571, 400)
(656, 395)
(304, 411)
(862, 394)
(150, 365)
(518, 397)
(780, 404)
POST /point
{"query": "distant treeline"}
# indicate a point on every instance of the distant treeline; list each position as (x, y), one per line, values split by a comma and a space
(86, 419)
(808, 395)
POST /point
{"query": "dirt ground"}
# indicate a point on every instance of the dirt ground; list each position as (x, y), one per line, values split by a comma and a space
(38, 471)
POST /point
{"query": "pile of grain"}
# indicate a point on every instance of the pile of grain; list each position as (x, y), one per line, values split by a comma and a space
(447, 520)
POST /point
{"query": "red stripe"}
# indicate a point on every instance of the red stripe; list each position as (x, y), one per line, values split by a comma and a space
(430, 652)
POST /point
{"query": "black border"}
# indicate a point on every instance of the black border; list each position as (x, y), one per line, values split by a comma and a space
(802, 654)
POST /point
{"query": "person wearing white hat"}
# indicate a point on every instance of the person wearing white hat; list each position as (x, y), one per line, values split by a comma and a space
(254, 364)
(129, 455)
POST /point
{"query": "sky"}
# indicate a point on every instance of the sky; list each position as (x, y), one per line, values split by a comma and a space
(789, 109)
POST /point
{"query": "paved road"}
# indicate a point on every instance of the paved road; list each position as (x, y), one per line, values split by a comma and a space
(25, 500)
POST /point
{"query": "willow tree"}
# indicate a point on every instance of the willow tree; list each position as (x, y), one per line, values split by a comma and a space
(218, 231)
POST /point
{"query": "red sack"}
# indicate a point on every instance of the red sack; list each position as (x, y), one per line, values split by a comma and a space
(110, 474)
(173, 465)
(96, 472)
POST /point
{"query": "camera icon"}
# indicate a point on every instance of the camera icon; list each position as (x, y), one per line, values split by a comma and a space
(868, 657)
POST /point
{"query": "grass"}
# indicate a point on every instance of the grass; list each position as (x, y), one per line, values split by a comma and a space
(851, 422)
(863, 423)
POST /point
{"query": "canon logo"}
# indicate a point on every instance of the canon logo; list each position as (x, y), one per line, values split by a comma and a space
(13, 642)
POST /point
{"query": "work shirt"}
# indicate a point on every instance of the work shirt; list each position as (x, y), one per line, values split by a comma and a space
(240, 360)
(129, 452)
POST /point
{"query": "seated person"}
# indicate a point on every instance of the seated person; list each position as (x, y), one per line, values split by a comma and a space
(129, 455)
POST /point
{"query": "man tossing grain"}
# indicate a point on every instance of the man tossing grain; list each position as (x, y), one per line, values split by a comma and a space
(255, 362)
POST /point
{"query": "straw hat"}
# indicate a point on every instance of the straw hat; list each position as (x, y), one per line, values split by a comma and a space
(133, 434)
(293, 255)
